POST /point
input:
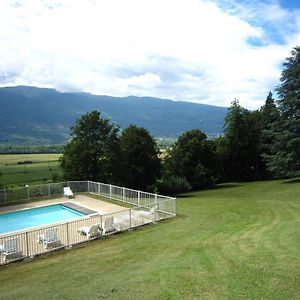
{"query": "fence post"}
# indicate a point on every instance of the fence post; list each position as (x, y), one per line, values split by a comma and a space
(27, 186)
(88, 186)
(99, 188)
(155, 208)
(110, 191)
(139, 198)
(49, 190)
(68, 239)
(123, 194)
(129, 218)
(174, 199)
(27, 244)
(5, 199)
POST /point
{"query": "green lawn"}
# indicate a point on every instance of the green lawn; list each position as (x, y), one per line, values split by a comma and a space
(239, 241)
(39, 171)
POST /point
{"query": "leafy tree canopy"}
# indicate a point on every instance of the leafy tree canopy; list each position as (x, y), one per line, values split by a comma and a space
(92, 151)
(192, 157)
(139, 162)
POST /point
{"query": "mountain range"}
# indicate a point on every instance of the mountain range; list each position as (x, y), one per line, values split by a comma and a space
(31, 115)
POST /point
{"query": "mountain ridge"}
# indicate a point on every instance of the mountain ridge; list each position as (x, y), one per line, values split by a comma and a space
(44, 115)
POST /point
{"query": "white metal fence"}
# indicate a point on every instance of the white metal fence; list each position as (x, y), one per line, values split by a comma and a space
(147, 208)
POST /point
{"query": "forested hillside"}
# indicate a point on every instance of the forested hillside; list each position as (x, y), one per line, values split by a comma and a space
(37, 115)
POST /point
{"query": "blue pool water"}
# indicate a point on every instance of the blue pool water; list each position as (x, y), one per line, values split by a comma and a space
(34, 217)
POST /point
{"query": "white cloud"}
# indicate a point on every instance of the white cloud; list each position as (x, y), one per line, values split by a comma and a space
(194, 50)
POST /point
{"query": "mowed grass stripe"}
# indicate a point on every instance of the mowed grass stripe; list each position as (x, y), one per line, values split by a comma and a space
(238, 241)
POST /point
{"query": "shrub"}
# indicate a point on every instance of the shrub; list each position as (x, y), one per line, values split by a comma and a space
(173, 185)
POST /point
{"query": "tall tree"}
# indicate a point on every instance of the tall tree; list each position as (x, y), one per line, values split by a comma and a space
(242, 159)
(285, 154)
(139, 164)
(269, 115)
(92, 151)
(192, 157)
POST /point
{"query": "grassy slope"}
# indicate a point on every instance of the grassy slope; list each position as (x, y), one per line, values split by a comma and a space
(234, 242)
(37, 172)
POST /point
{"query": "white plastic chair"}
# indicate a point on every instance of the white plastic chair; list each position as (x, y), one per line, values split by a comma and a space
(108, 225)
(50, 239)
(68, 192)
(11, 249)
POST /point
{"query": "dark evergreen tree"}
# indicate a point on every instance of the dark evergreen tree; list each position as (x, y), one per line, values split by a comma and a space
(92, 152)
(284, 159)
(269, 115)
(192, 157)
(242, 157)
(139, 164)
(221, 152)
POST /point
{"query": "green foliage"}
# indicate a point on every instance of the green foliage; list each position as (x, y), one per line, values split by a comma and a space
(269, 115)
(173, 185)
(241, 148)
(55, 177)
(139, 165)
(192, 157)
(284, 158)
(91, 153)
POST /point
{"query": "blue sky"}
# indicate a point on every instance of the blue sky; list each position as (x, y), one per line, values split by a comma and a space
(292, 4)
(205, 51)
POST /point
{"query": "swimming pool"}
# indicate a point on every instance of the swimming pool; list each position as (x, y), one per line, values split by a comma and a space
(34, 217)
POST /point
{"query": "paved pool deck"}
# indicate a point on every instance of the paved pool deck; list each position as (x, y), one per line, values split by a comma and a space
(97, 205)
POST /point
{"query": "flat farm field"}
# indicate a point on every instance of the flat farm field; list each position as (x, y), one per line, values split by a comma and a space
(20, 169)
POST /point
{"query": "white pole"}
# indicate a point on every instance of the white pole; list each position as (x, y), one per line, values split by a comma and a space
(155, 208)
(123, 194)
(27, 186)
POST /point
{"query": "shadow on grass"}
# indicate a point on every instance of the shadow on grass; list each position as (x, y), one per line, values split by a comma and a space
(187, 195)
(228, 185)
(293, 180)
(192, 194)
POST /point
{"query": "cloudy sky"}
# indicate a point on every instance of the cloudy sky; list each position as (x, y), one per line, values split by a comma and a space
(192, 50)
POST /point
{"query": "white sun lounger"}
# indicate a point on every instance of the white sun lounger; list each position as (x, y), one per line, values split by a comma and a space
(50, 239)
(90, 232)
(68, 192)
(146, 213)
(11, 249)
(108, 225)
(142, 215)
